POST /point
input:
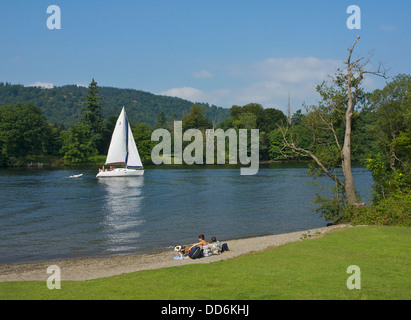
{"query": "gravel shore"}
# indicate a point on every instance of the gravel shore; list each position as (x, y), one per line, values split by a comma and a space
(92, 268)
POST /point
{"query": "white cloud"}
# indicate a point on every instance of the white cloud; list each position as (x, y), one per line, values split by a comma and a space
(217, 97)
(202, 74)
(271, 80)
(43, 85)
(187, 93)
(298, 70)
(388, 28)
(266, 82)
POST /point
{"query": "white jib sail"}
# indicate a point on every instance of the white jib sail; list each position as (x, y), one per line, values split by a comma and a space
(133, 158)
(117, 151)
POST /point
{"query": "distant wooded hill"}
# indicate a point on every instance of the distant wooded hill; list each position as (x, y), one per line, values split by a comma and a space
(63, 105)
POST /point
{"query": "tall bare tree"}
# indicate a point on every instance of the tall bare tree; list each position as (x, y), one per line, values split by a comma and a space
(330, 123)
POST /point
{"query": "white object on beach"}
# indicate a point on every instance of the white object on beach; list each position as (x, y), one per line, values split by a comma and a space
(122, 151)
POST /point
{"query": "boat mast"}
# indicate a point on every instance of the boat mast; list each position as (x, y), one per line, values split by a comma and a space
(289, 108)
(126, 124)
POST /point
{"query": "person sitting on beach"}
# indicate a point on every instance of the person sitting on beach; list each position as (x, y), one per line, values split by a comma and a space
(215, 246)
(201, 242)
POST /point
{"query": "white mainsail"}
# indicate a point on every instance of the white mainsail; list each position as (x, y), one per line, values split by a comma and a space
(123, 149)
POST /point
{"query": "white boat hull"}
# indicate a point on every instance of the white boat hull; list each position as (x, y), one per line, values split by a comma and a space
(120, 172)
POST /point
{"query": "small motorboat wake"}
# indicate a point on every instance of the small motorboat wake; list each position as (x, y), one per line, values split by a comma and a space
(76, 175)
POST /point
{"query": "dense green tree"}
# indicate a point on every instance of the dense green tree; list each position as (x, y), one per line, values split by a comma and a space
(276, 150)
(78, 146)
(245, 117)
(226, 124)
(92, 109)
(107, 131)
(196, 119)
(161, 120)
(254, 116)
(23, 131)
(252, 108)
(245, 120)
(53, 141)
(391, 159)
(3, 156)
(93, 116)
(269, 119)
(142, 135)
(296, 118)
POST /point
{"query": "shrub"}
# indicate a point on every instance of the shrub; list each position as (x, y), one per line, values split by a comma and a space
(395, 210)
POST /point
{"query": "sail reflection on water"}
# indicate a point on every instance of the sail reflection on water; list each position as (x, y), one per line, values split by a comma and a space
(122, 223)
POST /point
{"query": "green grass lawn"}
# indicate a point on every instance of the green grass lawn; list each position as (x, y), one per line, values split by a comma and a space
(312, 269)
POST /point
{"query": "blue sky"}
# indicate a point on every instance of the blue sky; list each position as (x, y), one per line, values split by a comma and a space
(222, 52)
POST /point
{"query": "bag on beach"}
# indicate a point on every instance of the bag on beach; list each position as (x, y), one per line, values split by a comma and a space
(195, 252)
(224, 247)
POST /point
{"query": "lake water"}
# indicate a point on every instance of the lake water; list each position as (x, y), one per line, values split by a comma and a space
(45, 215)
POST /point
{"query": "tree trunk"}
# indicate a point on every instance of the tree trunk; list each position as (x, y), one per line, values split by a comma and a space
(346, 153)
(346, 150)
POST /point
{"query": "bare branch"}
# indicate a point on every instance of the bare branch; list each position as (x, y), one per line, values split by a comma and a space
(350, 50)
(331, 127)
(305, 152)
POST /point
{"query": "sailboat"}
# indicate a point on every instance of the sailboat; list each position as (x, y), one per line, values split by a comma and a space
(122, 151)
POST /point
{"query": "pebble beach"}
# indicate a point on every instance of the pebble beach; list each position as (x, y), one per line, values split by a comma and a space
(93, 268)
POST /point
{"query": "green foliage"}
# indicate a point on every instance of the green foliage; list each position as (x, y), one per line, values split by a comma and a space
(245, 120)
(363, 138)
(254, 116)
(309, 235)
(106, 133)
(394, 210)
(161, 120)
(381, 137)
(276, 149)
(390, 160)
(334, 209)
(3, 156)
(63, 105)
(386, 181)
(296, 118)
(196, 119)
(92, 109)
(142, 134)
(269, 119)
(78, 146)
(23, 132)
(93, 116)
(53, 141)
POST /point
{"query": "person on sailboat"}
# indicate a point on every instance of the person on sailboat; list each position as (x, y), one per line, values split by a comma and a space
(122, 151)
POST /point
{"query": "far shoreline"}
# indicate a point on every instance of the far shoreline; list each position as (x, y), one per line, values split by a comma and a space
(33, 165)
(57, 163)
(100, 267)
